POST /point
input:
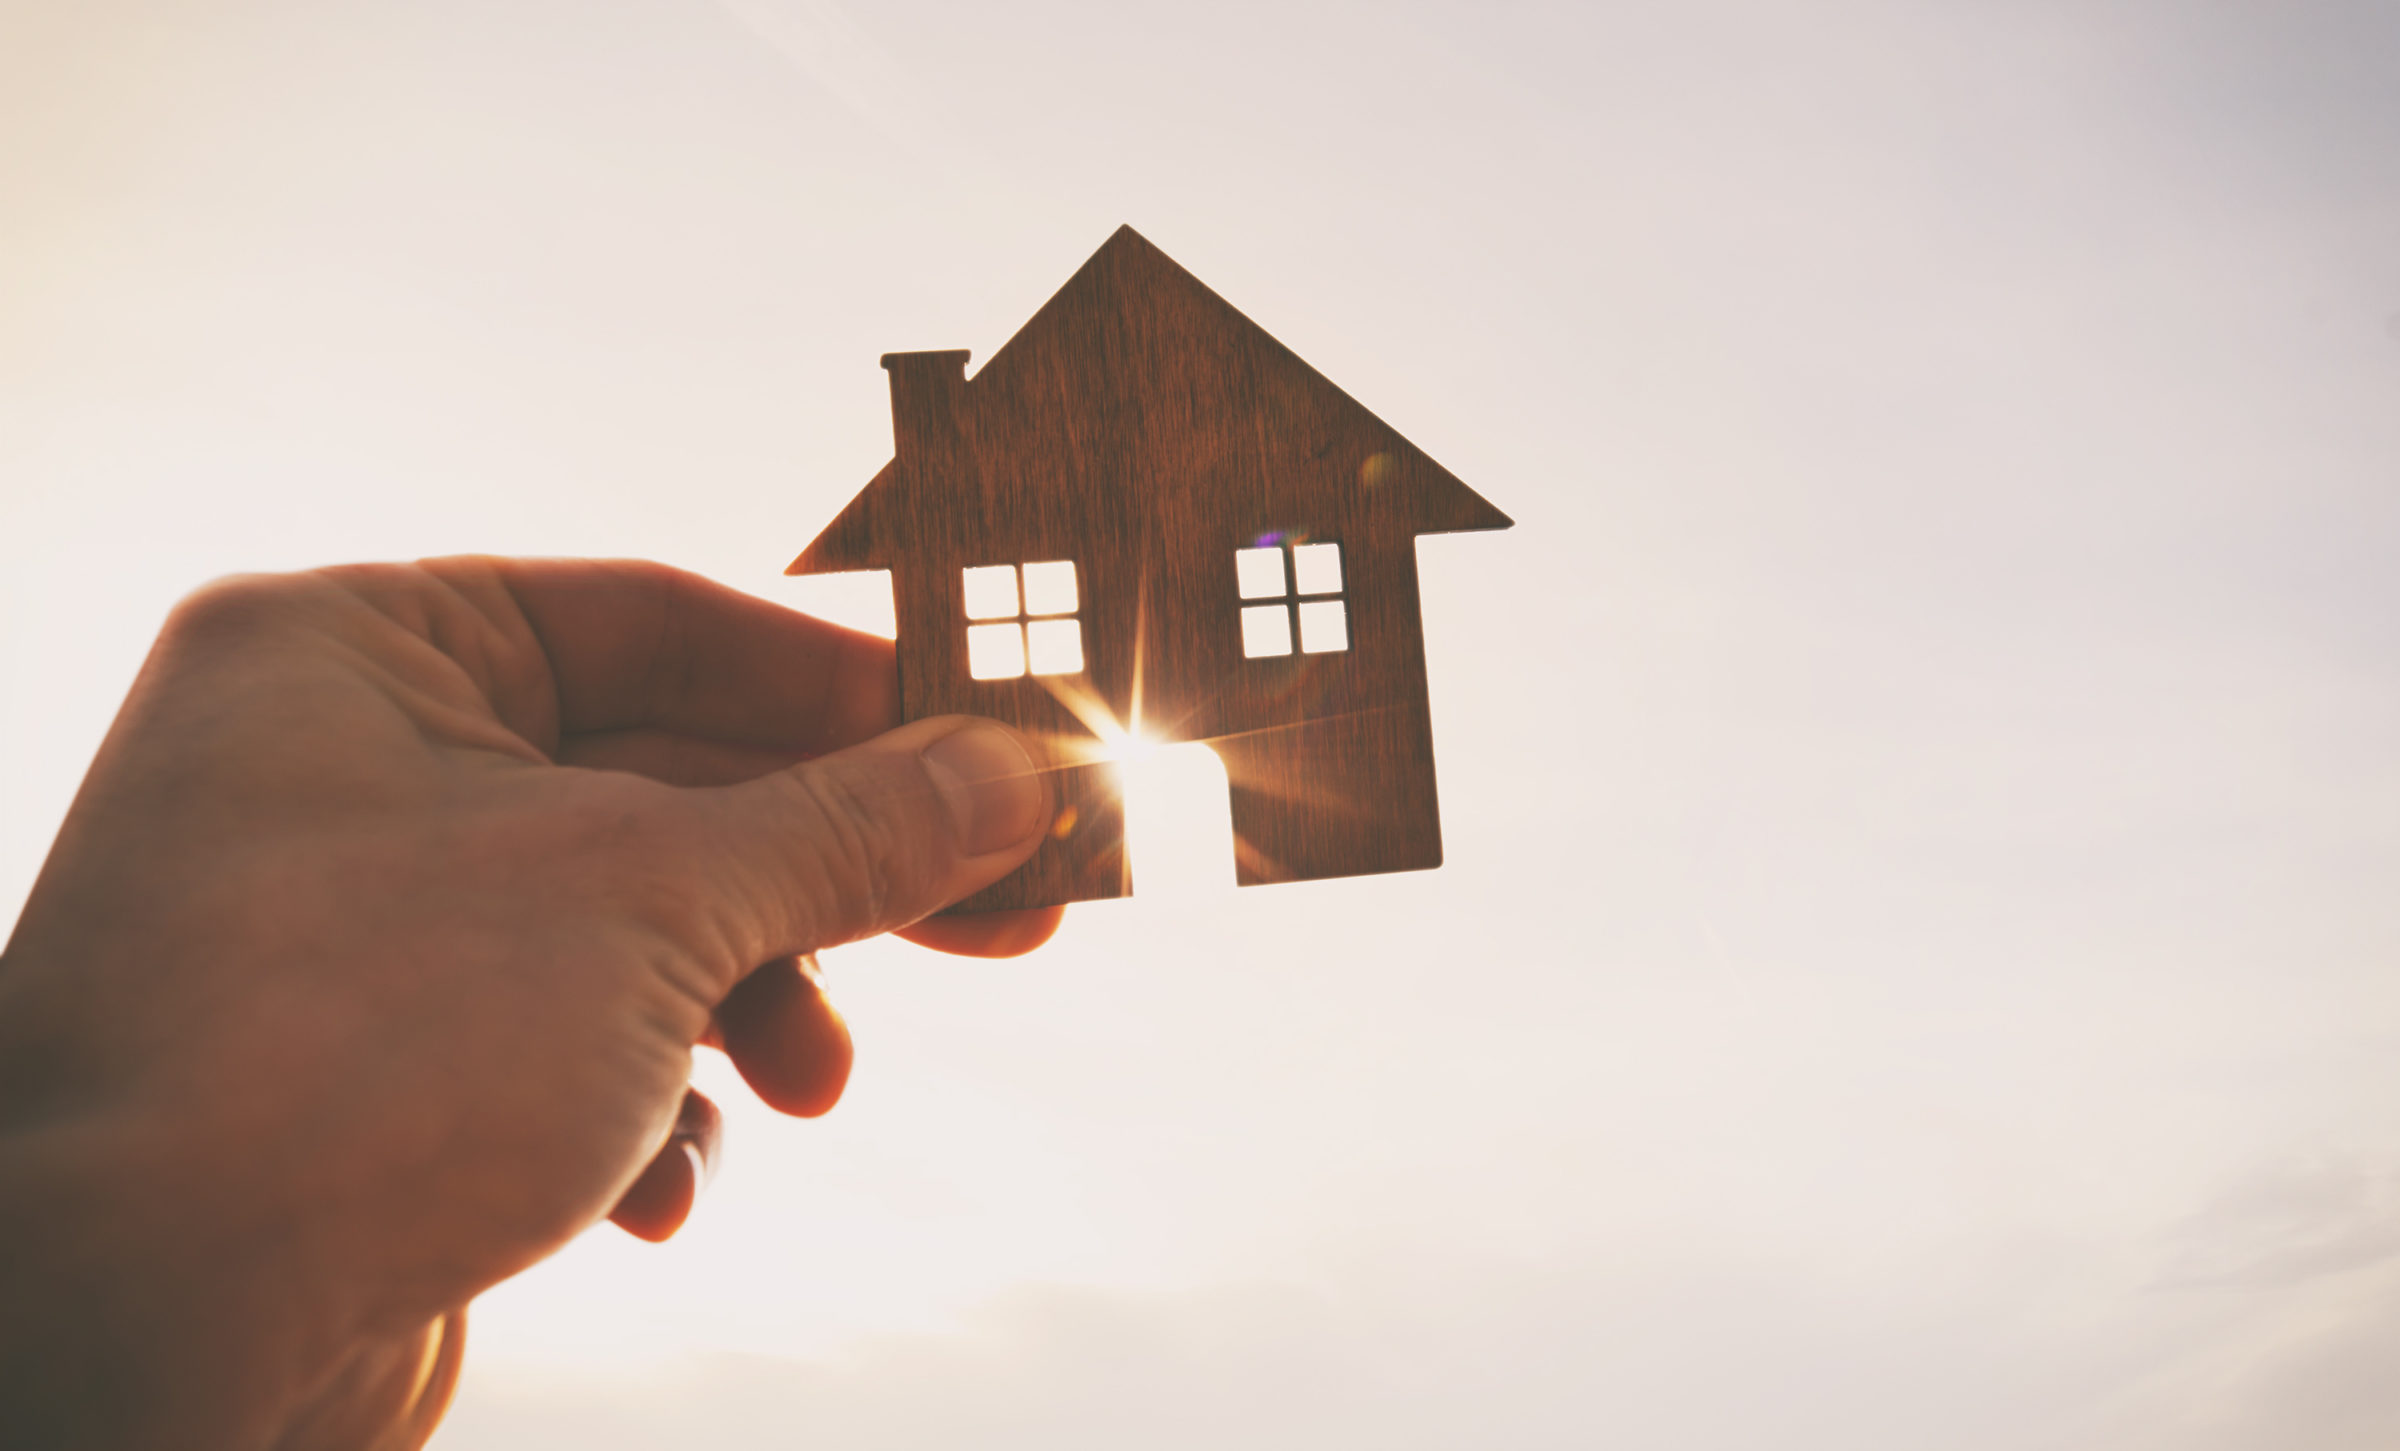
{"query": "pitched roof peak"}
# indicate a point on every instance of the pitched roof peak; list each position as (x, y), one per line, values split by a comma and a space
(1134, 347)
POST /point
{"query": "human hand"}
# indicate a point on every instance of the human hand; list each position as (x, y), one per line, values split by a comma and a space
(367, 968)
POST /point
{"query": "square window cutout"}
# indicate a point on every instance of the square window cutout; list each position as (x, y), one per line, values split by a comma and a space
(995, 652)
(1316, 570)
(1324, 626)
(1260, 573)
(992, 592)
(1050, 588)
(1053, 647)
(1266, 630)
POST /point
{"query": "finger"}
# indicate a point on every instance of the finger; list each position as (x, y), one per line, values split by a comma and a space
(785, 1038)
(987, 934)
(661, 1197)
(633, 644)
(863, 840)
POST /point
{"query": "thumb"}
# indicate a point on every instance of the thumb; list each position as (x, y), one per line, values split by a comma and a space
(874, 837)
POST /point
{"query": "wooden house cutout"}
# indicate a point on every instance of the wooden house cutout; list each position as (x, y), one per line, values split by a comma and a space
(1144, 514)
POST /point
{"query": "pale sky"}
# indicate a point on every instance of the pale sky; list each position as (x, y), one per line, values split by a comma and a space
(1919, 959)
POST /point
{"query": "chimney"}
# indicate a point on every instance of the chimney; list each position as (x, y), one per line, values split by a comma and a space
(928, 398)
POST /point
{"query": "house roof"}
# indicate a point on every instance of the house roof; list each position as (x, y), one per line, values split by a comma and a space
(1135, 342)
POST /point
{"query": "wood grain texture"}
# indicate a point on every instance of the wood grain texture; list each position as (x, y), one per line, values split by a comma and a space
(1141, 427)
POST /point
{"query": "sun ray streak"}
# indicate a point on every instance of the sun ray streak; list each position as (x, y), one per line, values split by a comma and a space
(1293, 725)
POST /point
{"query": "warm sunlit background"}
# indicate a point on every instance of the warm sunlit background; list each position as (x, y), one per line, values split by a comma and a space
(1919, 963)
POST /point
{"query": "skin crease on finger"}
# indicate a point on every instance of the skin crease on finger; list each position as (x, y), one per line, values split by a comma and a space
(339, 1001)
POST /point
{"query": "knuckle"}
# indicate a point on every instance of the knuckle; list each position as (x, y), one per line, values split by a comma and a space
(240, 606)
(233, 603)
(871, 871)
(852, 849)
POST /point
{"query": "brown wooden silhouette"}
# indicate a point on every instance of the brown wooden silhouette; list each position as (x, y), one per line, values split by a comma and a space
(1141, 428)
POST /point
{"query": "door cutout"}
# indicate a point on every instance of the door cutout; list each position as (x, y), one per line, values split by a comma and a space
(1178, 823)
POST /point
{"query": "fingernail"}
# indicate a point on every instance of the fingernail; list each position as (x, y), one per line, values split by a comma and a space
(987, 778)
(700, 1129)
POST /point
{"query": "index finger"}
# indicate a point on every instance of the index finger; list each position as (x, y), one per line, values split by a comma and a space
(634, 645)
